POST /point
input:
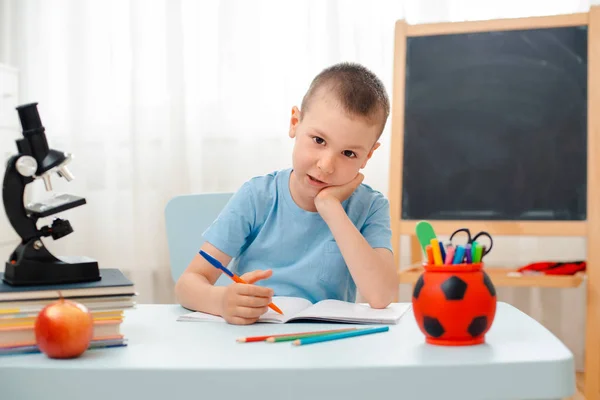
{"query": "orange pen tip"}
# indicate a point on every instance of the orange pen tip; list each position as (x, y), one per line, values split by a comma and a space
(274, 307)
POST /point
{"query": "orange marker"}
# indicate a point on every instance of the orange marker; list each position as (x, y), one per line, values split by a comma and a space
(429, 252)
(217, 264)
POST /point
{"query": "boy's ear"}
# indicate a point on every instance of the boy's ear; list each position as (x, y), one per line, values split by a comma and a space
(294, 120)
(375, 146)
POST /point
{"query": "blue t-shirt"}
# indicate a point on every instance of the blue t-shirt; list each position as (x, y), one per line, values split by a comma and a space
(262, 227)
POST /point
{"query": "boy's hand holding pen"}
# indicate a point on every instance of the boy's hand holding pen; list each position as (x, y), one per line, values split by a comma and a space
(244, 303)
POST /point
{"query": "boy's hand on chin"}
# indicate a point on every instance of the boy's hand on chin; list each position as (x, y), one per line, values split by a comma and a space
(337, 193)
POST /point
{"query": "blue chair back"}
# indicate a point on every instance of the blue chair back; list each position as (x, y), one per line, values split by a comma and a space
(186, 218)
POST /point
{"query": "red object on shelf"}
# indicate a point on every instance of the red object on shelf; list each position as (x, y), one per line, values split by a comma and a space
(554, 268)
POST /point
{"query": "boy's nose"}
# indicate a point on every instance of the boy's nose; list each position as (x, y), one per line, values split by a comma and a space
(326, 164)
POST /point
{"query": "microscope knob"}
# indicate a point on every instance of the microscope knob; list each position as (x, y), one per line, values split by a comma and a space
(60, 228)
(26, 165)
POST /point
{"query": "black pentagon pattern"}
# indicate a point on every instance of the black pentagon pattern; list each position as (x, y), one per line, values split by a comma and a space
(454, 288)
(488, 284)
(418, 287)
(433, 327)
(478, 326)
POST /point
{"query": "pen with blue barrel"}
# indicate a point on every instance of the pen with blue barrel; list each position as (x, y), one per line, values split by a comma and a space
(217, 264)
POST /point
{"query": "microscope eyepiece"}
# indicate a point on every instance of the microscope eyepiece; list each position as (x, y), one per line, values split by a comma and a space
(35, 143)
(30, 117)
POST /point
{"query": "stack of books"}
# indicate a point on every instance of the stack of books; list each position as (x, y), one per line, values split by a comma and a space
(106, 300)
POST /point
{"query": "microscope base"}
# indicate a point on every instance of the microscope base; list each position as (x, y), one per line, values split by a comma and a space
(31, 272)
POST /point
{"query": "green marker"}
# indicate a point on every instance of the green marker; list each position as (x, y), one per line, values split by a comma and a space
(478, 253)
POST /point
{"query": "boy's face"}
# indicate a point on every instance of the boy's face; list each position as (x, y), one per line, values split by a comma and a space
(331, 146)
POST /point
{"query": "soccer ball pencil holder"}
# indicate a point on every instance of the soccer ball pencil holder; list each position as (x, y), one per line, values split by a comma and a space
(454, 305)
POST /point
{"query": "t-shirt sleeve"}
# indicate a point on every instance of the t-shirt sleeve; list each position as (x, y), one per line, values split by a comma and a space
(377, 230)
(234, 224)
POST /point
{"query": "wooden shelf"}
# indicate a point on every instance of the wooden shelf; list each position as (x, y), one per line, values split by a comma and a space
(508, 277)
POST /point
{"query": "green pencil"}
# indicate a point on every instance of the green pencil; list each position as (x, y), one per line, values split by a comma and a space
(287, 338)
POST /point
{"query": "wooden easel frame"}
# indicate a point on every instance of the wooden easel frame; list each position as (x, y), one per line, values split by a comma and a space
(590, 228)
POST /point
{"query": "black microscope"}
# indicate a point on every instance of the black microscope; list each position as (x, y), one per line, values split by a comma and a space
(31, 263)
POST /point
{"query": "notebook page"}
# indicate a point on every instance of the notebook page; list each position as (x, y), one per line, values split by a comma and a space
(290, 307)
(342, 311)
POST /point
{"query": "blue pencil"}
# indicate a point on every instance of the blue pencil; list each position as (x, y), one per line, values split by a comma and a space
(342, 335)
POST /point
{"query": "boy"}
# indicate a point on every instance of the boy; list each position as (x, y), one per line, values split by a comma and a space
(311, 231)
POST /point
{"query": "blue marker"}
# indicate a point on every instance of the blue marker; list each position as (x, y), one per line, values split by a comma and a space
(459, 255)
(443, 251)
(469, 253)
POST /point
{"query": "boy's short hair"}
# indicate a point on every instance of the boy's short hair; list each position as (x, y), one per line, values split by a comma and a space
(359, 91)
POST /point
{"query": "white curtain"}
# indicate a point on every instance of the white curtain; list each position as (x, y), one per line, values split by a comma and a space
(157, 98)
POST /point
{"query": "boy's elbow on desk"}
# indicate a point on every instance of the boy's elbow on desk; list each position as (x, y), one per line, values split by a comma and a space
(382, 291)
(382, 295)
(382, 298)
(379, 302)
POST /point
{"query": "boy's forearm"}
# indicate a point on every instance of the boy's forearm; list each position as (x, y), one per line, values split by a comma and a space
(193, 291)
(375, 276)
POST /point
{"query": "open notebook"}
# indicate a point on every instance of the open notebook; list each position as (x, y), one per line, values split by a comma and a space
(295, 309)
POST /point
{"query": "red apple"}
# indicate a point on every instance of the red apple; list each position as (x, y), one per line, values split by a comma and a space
(64, 329)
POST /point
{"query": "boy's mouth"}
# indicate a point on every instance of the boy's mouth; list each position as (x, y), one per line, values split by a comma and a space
(314, 181)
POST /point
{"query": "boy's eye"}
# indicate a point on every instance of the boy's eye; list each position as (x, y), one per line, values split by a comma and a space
(318, 140)
(349, 153)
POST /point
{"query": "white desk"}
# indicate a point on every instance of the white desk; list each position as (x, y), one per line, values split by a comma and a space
(171, 360)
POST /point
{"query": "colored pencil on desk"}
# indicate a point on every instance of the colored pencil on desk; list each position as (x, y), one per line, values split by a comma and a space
(289, 338)
(341, 335)
(285, 335)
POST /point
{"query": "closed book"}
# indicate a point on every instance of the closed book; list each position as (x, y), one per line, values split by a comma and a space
(112, 283)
